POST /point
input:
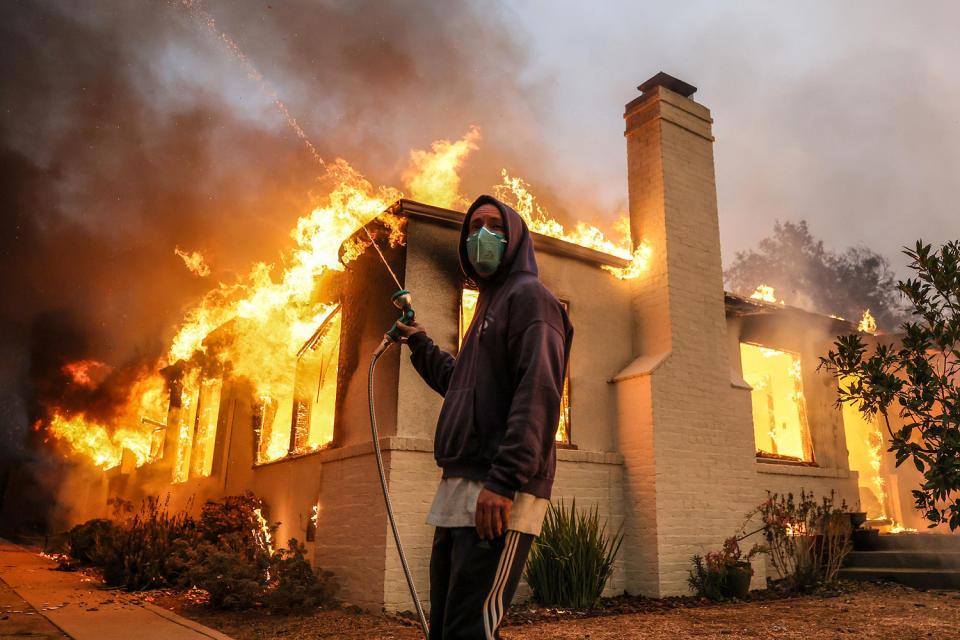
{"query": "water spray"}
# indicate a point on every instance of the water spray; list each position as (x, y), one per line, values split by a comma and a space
(404, 302)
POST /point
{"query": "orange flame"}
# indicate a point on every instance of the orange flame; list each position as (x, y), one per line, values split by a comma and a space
(766, 293)
(516, 193)
(263, 324)
(86, 373)
(433, 176)
(867, 322)
(194, 261)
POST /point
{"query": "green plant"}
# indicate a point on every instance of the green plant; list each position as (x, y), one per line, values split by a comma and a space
(807, 540)
(714, 576)
(572, 559)
(231, 579)
(921, 379)
(227, 552)
(84, 539)
(296, 586)
(704, 581)
(139, 552)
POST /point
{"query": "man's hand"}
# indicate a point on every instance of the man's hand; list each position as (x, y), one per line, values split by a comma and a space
(493, 514)
(407, 330)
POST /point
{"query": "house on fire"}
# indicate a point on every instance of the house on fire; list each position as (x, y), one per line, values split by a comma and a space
(684, 404)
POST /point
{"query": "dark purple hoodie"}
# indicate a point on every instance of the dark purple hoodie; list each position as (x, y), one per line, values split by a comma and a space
(501, 393)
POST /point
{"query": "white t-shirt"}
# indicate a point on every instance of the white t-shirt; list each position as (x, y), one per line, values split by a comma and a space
(455, 505)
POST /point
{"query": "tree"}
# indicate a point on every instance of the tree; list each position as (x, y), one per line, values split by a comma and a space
(919, 379)
(804, 273)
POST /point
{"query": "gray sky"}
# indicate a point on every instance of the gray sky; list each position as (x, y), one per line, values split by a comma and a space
(846, 114)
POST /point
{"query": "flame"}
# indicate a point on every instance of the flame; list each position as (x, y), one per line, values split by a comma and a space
(516, 193)
(268, 327)
(194, 261)
(766, 293)
(867, 322)
(262, 533)
(104, 443)
(433, 176)
(86, 373)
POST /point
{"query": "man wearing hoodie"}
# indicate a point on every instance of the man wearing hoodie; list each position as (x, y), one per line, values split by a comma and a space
(495, 437)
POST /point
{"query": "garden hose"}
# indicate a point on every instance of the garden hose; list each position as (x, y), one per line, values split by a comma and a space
(386, 494)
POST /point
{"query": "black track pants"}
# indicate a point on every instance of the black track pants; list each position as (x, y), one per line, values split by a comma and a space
(472, 581)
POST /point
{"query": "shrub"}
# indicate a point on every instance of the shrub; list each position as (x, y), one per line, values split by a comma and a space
(83, 539)
(227, 552)
(233, 580)
(807, 540)
(297, 587)
(716, 576)
(572, 559)
(704, 581)
(139, 552)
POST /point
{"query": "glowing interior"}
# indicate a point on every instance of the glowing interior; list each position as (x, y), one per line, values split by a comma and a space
(779, 411)
(205, 434)
(865, 451)
(298, 416)
(468, 306)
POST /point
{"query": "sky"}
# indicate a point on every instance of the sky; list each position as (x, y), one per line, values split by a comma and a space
(128, 129)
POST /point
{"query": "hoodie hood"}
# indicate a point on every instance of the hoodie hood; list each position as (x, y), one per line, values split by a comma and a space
(518, 256)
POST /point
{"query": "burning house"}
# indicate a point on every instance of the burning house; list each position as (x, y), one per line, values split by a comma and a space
(683, 406)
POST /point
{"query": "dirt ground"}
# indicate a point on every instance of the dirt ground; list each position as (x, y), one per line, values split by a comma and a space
(881, 612)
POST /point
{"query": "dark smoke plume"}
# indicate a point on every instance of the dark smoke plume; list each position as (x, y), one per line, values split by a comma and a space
(127, 130)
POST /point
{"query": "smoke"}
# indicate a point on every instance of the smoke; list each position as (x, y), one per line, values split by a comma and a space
(128, 130)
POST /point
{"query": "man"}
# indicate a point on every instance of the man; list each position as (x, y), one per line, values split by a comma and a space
(495, 434)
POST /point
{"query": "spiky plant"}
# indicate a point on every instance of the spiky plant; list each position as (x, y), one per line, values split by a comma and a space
(572, 559)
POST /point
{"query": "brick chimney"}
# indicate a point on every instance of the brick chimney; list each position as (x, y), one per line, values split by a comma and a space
(685, 433)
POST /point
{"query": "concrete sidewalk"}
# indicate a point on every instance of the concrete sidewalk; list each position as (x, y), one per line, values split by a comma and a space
(38, 601)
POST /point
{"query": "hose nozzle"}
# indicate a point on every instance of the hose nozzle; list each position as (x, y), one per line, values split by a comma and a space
(404, 301)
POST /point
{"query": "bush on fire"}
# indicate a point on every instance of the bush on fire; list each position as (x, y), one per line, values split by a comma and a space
(225, 552)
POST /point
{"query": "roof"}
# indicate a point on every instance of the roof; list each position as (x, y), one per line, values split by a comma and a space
(741, 306)
(548, 244)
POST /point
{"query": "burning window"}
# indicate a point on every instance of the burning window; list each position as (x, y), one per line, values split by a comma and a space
(301, 420)
(198, 415)
(468, 306)
(779, 410)
(315, 388)
(205, 427)
(865, 451)
(186, 420)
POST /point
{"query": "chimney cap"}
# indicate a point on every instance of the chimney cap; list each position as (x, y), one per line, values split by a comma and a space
(666, 80)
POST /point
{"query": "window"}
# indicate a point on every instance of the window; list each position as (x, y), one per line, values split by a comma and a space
(315, 388)
(197, 434)
(779, 409)
(300, 419)
(189, 393)
(865, 448)
(468, 307)
(205, 428)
